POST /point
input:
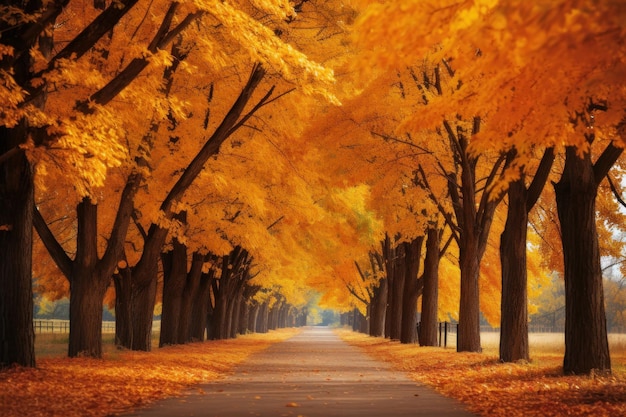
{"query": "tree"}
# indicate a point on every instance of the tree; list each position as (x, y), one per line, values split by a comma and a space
(569, 41)
(25, 28)
(470, 222)
(513, 242)
(88, 274)
(586, 341)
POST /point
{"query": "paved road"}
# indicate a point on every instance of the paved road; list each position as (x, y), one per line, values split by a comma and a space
(313, 374)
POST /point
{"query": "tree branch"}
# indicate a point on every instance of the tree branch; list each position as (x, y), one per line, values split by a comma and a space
(134, 68)
(455, 229)
(102, 24)
(125, 211)
(213, 144)
(485, 200)
(51, 243)
(541, 177)
(606, 161)
(615, 191)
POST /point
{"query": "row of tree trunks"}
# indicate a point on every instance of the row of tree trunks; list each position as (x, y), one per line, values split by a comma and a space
(399, 290)
(180, 289)
(17, 180)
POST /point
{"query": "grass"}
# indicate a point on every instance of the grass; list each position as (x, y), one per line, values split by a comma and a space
(54, 345)
(490, 388)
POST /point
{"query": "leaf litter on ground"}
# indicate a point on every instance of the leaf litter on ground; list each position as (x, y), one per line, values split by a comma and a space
(123, 380)
(491, 388)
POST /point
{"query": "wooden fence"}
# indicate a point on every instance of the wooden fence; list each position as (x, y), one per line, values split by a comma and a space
(63, 326)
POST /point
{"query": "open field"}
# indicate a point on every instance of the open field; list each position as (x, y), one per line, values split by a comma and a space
(491, 388)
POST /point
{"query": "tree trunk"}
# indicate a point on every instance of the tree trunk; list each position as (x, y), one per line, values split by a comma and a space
(469, 306)
(412, 289)
(272, 321)
(210, 312)
(430, 295)
(88, 284)
(17, 337)
(586, 343)
(174, 280)
(86, 288)
(378, 309)
(514, 317)
(364, 328)
(262, 325)
(244, 315)
(86, 303)
(192, 286)
(198, 323)
(17, 190)
(514, 304)
(139, 296)
(253, 317)
(399, 276)
(235, 314)
(123, 329)
(220, 313)
(282, 316)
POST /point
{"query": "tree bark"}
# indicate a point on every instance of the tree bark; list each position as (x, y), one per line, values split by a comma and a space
(378, 298)
(143, 298)
(430, 294)
(88, 284)
(514, 303)
(262, 325)
(190, 292)
(17, 190)
(469, 307)
(123, 329)
(235, 314)
(272, 320)
(394, 265)
(412, 289)
(244, 315)
(17, 338)
(174, 280)
(586, 342)
(378, 307)
(399, 276)
(514, 317)
(201, 300)
(253, 317)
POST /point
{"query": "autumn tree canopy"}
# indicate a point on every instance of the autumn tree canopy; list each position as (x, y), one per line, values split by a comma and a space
(239, 158)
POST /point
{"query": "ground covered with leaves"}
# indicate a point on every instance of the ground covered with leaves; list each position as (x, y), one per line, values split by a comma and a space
(123, 380)
(490, 388)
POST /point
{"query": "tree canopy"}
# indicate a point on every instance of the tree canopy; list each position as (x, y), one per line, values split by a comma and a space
(226, 157)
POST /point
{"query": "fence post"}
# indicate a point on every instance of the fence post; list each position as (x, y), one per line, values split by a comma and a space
(439, 340)
(445, 326)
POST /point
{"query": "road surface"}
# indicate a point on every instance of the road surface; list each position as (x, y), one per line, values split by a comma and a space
(314, 374)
